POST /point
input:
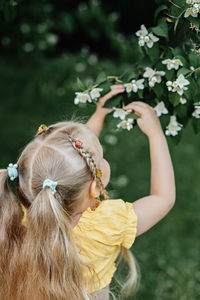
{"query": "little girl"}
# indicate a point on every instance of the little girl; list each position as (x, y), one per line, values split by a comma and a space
(65, 244)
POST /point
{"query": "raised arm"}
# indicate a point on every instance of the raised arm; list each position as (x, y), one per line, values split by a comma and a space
(154, 207)
(96, 121)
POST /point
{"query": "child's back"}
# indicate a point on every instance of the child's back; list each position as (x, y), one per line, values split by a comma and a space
(67, 243)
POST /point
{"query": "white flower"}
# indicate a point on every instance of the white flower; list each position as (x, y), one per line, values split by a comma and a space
(139, 84)
(195, 9)
(152, 39)
(135, 89)
(121, 113)
(141, 42)
(169, 64)
(149, 72)
(126, 124)
(152, 81)
(85, 98)
(142, 32)
(181, 81)
(160, 109)
(145, 37)
(78, 98)
(95, 93)
(158, 75)
(173, 127)
(134, 86)
(179, 85)
(189, 1)
(82, 98)
(196, 112)
(180, 91)
(183, 100)
(172, 63)
(153, 76)
(169, 85)
(172, 120)
(177, 63)
(129, 87)
(191, 11)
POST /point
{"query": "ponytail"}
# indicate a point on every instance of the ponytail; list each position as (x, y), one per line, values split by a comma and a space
(49, 254)
(132, 280)
(10, 233)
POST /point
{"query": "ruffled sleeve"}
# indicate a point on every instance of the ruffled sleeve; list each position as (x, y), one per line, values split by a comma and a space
(112, 223)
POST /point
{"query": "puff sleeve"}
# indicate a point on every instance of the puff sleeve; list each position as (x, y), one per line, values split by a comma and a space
(113, 223)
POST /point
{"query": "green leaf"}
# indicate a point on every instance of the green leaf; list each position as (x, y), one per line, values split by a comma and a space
(101, 78)
(159, 9)
(153, 53)
(140, 94)
(158, 90)
(180, 3)
(161, 29)
(194, 59)
(196, 125)
(170, 75)
(181, 112)
(105, 86)
(114, 101)
(183, 71)
(80, 85)
(129, 76)
(174, 98)
(132, 116)
(194, 21)
(193, 88)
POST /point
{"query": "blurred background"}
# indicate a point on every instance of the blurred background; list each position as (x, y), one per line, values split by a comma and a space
(44, 46)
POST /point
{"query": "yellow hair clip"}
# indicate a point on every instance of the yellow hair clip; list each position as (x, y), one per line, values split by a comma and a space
(42, 128)
(99, 173)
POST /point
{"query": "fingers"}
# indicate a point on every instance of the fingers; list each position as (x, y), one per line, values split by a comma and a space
(115, 90)
(139, 107)
(117, 86)
(137, 103)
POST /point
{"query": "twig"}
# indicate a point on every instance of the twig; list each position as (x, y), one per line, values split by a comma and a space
(112, 77)
(174, 3)
(124, 73)
(192, 72)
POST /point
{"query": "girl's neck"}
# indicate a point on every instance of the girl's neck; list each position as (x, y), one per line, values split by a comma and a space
(75, 219)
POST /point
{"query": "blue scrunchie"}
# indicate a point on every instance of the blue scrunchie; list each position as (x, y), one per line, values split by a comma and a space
(50, 183)
(12, 171)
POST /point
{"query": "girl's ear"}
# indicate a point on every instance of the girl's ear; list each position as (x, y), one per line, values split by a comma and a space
(94, 190)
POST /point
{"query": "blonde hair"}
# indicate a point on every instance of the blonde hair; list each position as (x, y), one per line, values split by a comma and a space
(41, 261)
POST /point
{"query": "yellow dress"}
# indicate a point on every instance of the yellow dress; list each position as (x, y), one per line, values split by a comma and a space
(99, 235)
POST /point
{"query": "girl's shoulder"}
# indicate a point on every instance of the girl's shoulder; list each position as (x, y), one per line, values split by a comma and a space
(112, 219)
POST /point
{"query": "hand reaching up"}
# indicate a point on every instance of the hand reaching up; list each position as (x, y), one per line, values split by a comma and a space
(148, 120)
(115, 90)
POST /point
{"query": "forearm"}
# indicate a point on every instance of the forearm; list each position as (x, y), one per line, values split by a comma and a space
(96, 122)
(162, 174)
